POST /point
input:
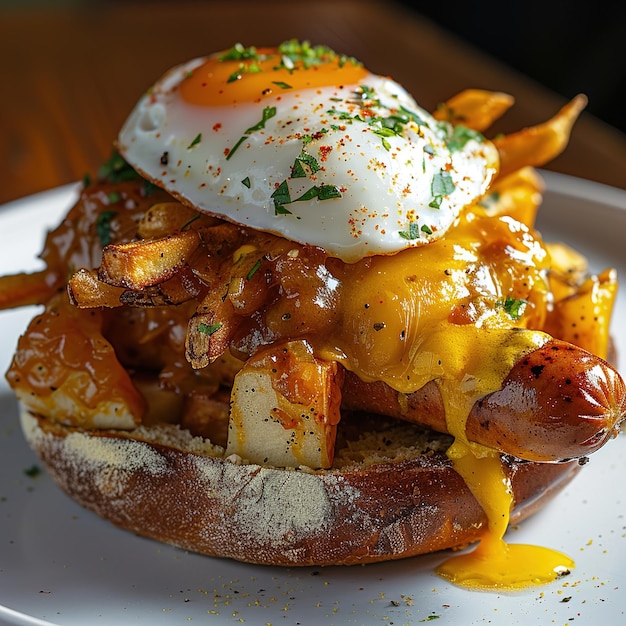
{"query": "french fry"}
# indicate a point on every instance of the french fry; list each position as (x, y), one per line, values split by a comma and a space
(285, 408)
(164, 218)
(583, 318)
(536, 145)
(23, 289)
(144, 263)
(517, 195)
(209, 333)
(568, 270)
(182, 287)
(474, 108)
(86, 291)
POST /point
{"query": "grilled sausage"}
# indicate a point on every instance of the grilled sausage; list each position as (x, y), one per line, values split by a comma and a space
(558, 402)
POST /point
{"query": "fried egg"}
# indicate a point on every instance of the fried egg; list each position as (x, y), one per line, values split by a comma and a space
(309, 145)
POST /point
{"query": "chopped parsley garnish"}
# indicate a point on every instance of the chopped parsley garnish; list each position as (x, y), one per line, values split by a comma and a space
(281, 84)
(196, 141)
(113, 197)
(32, 471)
(209, 329)
(293, 52)
(441, 185)
(412, 233)
(103, 227)
(414, 230)
(238, 53)
(268, 113)
(384, 126)
(251, 68)
(190, 221)
(253, 269)
(298, 171)
(461, 135)
(282, 196)
(246, 182)
(514, 307)
(117, 170)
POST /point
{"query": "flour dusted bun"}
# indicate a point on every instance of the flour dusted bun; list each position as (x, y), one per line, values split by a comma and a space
(390, 494)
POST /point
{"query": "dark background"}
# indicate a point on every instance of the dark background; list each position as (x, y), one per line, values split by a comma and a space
(568, 46)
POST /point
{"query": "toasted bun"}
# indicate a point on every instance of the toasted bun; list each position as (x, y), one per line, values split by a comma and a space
(385, 500)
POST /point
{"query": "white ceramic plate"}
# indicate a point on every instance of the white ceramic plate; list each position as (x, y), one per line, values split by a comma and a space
(61, 564)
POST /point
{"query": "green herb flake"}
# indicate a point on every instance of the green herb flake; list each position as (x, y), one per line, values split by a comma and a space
(239, 53)
(209, 329)
(514, 307)
(426, 229)
(281, 196)
(294, 51)
(190, 221)
(103, 226)
(298, 171)
(282, 84)
(279, 209)
(442, 184)
(253, 269)
(117, 170)
(412, 233)
(113, 197)
(33, 471)
(246, 182)
(461, 135)
(86, 180)
(321, 192)
(234, 148)
(268, 114)
(196, 141)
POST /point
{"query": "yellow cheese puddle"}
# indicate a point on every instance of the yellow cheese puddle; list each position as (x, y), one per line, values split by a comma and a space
(495, 565)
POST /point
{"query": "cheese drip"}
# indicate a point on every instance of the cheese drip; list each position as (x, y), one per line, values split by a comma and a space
(494, 565)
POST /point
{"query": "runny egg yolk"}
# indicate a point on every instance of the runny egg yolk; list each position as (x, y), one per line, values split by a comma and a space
(220, 82)
(494, 565)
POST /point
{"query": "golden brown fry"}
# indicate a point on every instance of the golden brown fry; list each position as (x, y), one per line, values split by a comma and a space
(474, 108)
(536, 145)
(140, 264)
(517, 195)
(86, 291)
(24, 289)
(568, 270)
(164, 218)
(583, 318)
(209, 334)
(182, 287)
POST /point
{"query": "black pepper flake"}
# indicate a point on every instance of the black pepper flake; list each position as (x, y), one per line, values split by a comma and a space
(537, 370)
(164, 158)
(379, 326)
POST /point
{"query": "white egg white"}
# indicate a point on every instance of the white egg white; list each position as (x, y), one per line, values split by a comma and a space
(308, 165)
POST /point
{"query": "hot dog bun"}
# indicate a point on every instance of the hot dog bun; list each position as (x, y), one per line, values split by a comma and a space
(391, 494)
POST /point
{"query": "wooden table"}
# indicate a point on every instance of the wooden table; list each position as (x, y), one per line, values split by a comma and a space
(71, 74)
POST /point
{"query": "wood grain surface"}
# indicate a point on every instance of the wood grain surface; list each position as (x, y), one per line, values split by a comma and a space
(72, 73)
